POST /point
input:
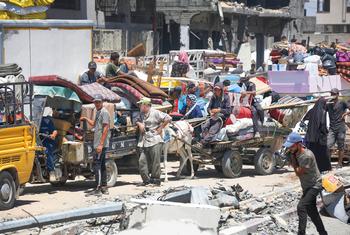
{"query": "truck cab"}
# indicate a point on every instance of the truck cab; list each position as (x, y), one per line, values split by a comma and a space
(17, 141)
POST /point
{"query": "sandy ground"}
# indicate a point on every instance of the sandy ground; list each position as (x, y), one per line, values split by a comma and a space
(43, 198)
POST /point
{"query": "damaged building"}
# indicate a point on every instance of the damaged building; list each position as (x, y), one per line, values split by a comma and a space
(165, 25)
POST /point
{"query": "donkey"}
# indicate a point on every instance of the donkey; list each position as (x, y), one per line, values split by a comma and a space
(178, 132)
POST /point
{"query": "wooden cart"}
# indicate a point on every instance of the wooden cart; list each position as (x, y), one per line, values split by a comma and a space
(228, 157)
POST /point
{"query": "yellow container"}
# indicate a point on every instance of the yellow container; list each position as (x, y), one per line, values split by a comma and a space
(331, 183)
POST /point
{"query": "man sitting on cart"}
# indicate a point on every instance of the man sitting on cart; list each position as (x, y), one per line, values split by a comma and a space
(249, 88)
(48, 129)
(219, 109)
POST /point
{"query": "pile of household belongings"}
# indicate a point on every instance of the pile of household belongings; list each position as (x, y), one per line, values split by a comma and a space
(221, 60)
(295, 56)
(85, 93)
(276, 121)
(343, 61)
(20, 10)
(134, 89)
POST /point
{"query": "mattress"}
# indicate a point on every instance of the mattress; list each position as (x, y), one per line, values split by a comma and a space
(86, 95)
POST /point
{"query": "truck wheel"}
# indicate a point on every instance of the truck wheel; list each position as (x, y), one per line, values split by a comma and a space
(7, 191)
(264, 162)
(112, 172)
(231, 164)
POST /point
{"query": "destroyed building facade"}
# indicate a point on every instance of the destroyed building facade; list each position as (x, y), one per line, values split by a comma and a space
(183, 24)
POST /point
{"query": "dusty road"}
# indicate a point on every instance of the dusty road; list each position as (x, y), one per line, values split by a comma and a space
(43, 198)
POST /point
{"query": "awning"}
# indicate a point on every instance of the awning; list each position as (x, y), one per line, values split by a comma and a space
(60, 98)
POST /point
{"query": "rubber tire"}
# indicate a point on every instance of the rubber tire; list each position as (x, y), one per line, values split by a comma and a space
(6, 177)
(218, 168)
(112, 172)
(231, 158)
(259, 164)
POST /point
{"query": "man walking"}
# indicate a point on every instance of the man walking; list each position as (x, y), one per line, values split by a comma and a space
(101, 143)
(337, 128)
(305, 167)
(151, 122)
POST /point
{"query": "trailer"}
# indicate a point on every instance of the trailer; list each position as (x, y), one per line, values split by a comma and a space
(228, 157)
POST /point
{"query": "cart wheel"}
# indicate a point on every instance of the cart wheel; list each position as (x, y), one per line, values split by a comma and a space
(218, 168)
(231, 164)
(264, 161)
(112, 172)
(7, 191)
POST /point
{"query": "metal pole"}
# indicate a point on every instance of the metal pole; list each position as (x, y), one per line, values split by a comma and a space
(60, 217)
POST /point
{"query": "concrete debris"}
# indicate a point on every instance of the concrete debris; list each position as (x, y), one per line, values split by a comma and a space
(205, 216)
(257, 207)
(168, 227)
(183, 196)
(224, 200)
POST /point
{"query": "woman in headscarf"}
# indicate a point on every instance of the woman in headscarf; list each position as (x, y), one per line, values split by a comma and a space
(316, 135)
(191, 110)
(180, 66)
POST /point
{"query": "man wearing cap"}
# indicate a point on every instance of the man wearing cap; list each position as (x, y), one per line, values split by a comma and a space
(101, 143)
(305, 167)
(151, 123)
(337, 129)
(91, 75)
(249, 88)
(219, 109)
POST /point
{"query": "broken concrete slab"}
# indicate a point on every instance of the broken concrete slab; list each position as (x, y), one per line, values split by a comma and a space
(183, 196)
(256, 206)
(200, 195)
(235, 230)
(172, 227)
(223, 200)
(205, 216)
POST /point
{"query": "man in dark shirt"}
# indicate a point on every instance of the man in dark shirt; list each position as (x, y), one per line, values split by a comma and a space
(113, 67)
(337, 129)
(249, 88)
(219, 109)
(91, 75)
(47, 128)
(305, 167)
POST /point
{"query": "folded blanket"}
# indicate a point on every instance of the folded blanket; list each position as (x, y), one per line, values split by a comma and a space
(152, 90)
(96, 88)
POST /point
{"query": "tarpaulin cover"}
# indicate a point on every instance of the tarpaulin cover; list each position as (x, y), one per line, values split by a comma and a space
(96, 88)
(59, 97)
(54, 80)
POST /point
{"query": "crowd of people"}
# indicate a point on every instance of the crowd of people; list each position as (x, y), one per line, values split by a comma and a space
(309, 158)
